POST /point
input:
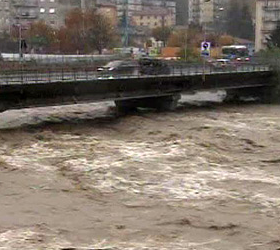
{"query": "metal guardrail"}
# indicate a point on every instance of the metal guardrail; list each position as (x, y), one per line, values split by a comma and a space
(88, 73)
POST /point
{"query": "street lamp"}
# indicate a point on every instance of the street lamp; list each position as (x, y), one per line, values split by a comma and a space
(204, 37)
(20, 41)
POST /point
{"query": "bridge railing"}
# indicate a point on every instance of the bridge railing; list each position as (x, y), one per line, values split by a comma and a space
(62, 73)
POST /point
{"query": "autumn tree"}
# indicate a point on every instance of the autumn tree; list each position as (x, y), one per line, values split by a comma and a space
(162, 34)
(178, 38)
(190, 37)
(86, 31)
(72, 36)
(100, 32)
(225, 40)
(40, 36)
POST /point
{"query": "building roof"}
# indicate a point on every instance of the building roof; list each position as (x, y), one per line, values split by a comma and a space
(152, 12)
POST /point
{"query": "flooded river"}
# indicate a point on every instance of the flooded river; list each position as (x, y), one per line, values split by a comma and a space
(203, 177)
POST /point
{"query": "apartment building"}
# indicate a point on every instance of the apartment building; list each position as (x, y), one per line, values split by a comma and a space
(108, 8)
(53, 12)
(137, 6)
(23, 12)
(4, 14)
(201, 12)
(153, 18)
(182, 12)
(267, 16)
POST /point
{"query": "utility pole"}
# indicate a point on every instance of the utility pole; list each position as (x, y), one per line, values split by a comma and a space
(204, 26)
(20, 40)
(83, 5)
(163, 22)
(125, 24)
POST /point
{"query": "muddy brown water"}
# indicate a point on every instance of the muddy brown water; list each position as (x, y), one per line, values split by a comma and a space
(82, 177)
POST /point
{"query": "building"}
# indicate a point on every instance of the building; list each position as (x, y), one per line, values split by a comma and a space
(53, 12)
(267, 16)
(4, 14)
(136, 6)
(153, 18)
(201, 12)
(108, 8)
(182, 12)
(23, 12)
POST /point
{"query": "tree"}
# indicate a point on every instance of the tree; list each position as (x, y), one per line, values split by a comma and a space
(101, 33)
(233, 17)
(72, 36)
(40, 35)
(185, 37)
(239, 20)
(162, 34)
(85, 32)
(274, 39)
(8, 44)
(246, 23)
(225, 40)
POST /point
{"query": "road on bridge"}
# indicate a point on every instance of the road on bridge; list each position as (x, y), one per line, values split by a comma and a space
(48, 76)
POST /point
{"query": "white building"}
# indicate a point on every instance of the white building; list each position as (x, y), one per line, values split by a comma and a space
(201, 12)
(267, 16)
(207, 13)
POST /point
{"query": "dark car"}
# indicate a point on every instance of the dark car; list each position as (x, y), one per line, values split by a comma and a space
(119, 68)
(151, 66)
(144, 66)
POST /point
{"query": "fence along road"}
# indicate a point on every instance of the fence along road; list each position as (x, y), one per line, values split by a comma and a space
(61, 74)
(33, 87)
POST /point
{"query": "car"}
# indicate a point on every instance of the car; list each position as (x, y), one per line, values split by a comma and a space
(152, 66)
(243, 59)
(223, 63)
(118, 68)
(143, 66)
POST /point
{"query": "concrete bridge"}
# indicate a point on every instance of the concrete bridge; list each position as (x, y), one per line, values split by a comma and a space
(31, 88)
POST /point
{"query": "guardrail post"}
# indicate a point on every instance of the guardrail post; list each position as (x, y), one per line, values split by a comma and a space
(86, 69)
(49, 74)
(62, 73)
(75, 76)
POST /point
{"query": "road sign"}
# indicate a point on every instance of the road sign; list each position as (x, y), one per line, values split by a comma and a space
(205, 48)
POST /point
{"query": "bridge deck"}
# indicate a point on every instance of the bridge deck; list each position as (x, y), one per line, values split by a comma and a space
(21, 89)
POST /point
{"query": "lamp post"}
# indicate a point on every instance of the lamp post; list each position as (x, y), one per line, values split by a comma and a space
(20, 41)
(204, 36)
(186, 44)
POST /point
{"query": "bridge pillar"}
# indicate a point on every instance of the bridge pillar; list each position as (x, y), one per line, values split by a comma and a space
(264, 94)
(159, 102)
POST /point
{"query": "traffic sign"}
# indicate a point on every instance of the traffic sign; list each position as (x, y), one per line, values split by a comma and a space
(205, 48)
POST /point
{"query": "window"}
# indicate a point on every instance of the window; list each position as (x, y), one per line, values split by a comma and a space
(42, 10)
(52, 10)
